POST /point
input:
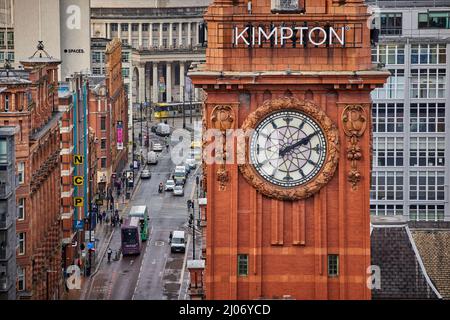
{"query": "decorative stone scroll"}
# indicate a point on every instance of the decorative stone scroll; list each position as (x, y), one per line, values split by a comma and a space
(355, 123)
(223, 119)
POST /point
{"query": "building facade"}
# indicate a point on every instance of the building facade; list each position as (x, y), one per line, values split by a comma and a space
(31, 104)
(411, 121)
(98, 68)
(7, 31)
(280, 223)
(108, 117)
(8, 214)
(165, 41)
(66, 33)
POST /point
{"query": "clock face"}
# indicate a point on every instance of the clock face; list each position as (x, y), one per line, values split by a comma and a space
(288, 148)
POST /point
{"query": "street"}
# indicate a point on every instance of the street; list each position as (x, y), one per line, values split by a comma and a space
(156, 274)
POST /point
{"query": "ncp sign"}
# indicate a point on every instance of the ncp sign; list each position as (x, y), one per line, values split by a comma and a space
(280, 35)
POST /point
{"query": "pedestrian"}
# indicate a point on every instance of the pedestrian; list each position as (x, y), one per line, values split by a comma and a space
(100, 219)
(109, 254)
(121, 221)
(170, 238)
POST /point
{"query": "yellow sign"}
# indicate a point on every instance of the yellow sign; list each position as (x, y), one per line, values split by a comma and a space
(78, 181)
(78, 160)
(78, 202)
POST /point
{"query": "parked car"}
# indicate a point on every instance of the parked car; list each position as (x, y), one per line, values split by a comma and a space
(146, 174)
(157, 147)
(170, 185)
(178, 191)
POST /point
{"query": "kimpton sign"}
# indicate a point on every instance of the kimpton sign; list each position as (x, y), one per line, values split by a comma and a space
(281, 35)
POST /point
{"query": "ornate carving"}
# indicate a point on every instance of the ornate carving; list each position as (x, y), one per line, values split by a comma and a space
(329, 168)
(223, 119)
(355, 123)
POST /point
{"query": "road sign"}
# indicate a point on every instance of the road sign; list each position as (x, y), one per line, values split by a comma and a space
(78, 181)
(78, 160)
(78, 225)
(78, 202)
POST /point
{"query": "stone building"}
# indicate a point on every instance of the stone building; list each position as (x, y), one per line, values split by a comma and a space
(8, 214)
(31, 104)
(165, 39)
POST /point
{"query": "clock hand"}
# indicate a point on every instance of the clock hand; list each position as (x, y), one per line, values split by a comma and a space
(302, 142)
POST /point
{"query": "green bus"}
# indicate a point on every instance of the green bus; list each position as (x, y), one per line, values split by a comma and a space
(141, 212)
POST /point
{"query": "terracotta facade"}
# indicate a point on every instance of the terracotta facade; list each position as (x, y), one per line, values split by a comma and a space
(288, 242)
(33, 107)
(108, 102)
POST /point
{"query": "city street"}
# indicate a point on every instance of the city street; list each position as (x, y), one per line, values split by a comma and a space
(156, 274)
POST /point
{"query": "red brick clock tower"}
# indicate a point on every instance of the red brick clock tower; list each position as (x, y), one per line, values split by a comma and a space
(288, 211)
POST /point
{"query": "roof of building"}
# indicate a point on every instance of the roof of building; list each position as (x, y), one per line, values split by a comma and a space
(40, 56)
(403, 274)
(434, 248)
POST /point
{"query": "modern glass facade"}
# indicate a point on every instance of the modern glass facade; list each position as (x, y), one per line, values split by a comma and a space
(410, 120)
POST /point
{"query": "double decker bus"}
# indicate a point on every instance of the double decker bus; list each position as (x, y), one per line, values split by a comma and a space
(131, 238)
(141, 212)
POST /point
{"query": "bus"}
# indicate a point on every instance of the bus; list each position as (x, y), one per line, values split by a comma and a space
(141, 212)
(131, 239)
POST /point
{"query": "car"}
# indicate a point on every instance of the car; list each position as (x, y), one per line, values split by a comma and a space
(146, 174)
(152, 158)
(178, 242)
(192, 163)
(157, 147)
(170, 185)
(178, 191)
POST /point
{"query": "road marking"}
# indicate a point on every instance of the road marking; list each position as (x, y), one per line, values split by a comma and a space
(154, 262)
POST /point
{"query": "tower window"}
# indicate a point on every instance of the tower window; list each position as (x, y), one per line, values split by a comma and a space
(333, 265)
(243, 265)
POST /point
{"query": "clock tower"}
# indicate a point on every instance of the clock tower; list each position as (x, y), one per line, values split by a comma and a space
(288, 207)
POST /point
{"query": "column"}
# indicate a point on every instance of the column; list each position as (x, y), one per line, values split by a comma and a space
(155, 83)
(189, 25)
(108, 30)
(170, 34)
(119, 30)
(150, 31)
(141, 70)
(182, 80)
(129, 34)
(169, 82)
(161, 35)
(180, 34)
(140, 34)
(197, 34)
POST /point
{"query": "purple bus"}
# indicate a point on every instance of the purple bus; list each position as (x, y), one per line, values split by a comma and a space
(131, 238)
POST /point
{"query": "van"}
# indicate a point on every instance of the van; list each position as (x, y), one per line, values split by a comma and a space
(152, 158)
(163, 130)
(178, 243)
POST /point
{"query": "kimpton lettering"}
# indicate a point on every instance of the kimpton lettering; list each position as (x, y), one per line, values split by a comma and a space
(280, 36)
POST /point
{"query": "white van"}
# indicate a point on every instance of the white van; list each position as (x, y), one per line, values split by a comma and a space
(178, 242)
(152, 158)
(163, 130)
